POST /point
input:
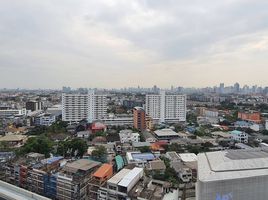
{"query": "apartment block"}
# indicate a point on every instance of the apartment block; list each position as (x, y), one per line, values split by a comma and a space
(139, 118)
(73, 180)
(166, 108)
(120, 185)
(76, 107)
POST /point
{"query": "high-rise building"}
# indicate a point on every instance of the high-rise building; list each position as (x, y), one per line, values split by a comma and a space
(236, 87)
(139, 116)
(166, 108)
(66, 89)
(233, 174)
(221, 89)
(34, 105)
(76, 107)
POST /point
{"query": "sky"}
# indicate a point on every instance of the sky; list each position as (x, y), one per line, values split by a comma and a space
(125, 43)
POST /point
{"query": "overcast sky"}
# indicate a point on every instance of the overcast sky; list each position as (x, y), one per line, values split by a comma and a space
(118, 43)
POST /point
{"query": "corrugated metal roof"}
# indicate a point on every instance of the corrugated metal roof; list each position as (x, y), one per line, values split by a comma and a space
(104, 170)
(130, 177)
(119, 176)
(119, 162)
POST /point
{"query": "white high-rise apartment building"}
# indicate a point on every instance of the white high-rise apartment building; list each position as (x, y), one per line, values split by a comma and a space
(76, 107)
(166, 108)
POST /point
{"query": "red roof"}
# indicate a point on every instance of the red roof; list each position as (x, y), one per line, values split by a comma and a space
(104, 170)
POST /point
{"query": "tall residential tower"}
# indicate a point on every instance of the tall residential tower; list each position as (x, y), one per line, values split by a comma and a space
(166, 108)
(76, 107)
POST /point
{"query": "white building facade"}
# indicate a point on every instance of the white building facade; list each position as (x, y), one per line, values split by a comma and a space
(127, 136)
(239, 136)
(45, 119)
(166, 108)
(76, 107)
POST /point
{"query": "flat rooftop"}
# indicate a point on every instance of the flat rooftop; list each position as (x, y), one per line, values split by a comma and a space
(232, 164)
(166, 132)
(188, 157)
(82, 164)
(125, 182)
(119, 176)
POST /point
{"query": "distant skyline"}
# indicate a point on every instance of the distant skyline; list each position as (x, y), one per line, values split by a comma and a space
(119, 43)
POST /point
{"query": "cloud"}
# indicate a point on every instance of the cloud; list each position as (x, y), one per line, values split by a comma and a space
(117, 43)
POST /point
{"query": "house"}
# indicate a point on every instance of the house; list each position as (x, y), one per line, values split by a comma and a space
(239, 136)
(83, 134)
(166, 134)
(127, 136)
(156, 166)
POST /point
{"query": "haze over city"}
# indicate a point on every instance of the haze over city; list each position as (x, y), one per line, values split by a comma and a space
(128, 43)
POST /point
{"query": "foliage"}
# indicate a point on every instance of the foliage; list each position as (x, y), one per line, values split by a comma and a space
(75, 147)
(97, 134)
(199, 149)
(224, 143)
(175, 147)
(265, 132)
(56, 127)
(99, 153)
(233, 117)
(142, 138)
(39, 144)
(203, 131)
(170, 174)
(227, 106)
(191, 118)
(263, 108)
(4, 146)
(144, 149)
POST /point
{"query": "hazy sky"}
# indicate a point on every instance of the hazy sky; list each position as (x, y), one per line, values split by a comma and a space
(117, 43)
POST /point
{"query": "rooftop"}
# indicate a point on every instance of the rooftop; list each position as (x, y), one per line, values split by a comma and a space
(188, 157)
(12, 138)
(236, 132)
(119, 176)
(130, 176)
(166, 132)
(82, 164)
(232, 164)
(51, 160)
(103, 170)
(140, 156)
(157, 165)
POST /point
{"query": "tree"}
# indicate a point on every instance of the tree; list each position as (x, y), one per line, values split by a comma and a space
(75, 147)
(40, 144)
(99, 153)
(144, 149)
(175, 147)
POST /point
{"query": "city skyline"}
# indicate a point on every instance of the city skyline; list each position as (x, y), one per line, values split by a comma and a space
(112, 44)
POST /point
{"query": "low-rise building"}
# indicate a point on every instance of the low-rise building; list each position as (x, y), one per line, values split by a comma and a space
(156, 166)
(120, 185)
(73, 179)
(166, 134)
(44, 119)
(127, 136)
(99, 178)
(139, 159)
(239, 136)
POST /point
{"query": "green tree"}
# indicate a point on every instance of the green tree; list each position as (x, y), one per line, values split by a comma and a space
(99, 153)
(40, 144)
(75, 147)
(144, 149)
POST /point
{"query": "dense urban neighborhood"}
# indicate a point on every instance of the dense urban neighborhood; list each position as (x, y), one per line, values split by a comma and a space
(136, 143)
